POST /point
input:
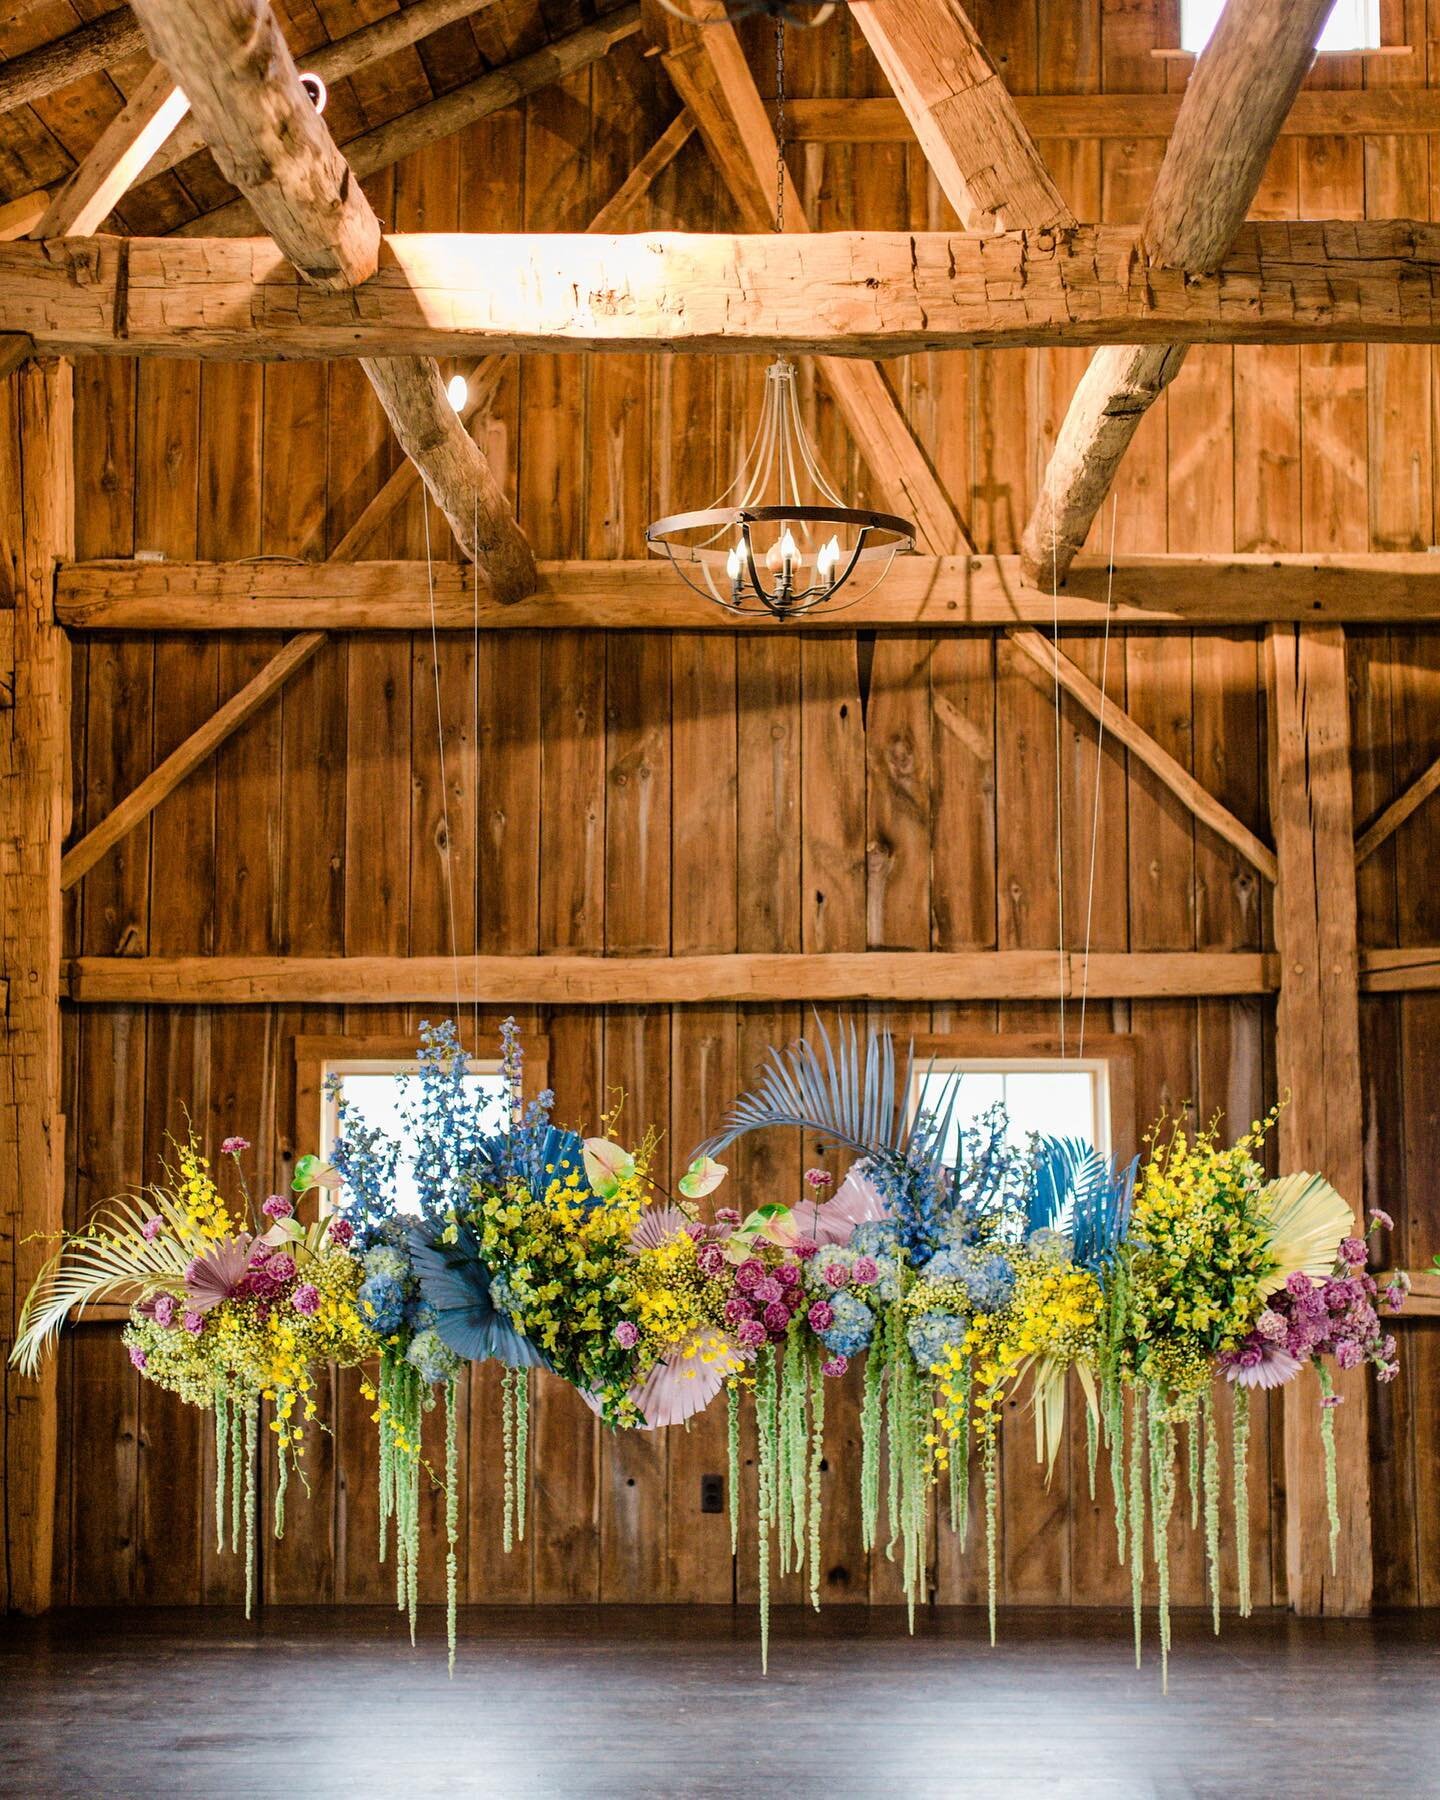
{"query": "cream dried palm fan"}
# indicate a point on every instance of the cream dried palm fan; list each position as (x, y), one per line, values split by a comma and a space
(1309, 1219)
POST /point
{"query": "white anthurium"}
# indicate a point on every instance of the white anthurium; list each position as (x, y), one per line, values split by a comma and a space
(702, 1177)
(606, 1166)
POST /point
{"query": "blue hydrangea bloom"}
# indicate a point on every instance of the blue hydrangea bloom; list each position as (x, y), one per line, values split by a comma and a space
(383, 1261)
(929, 1338)
(825, 1258)
(986, 1275)
(887, 1286)
(419, 1314)
(852, 1327)
(876, 1237)
(382, 1303)
(1045, 1241)
(432, 1356)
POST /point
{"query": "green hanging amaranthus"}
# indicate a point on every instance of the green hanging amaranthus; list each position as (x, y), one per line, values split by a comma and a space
(237, 1430)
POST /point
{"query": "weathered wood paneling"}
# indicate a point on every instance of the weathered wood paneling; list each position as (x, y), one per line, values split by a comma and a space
(714, 792)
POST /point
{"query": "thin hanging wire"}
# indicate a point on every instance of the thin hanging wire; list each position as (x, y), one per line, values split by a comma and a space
(1099, 764)
(477, 888)
(1059, 809)
(779, 123)
(440, 739)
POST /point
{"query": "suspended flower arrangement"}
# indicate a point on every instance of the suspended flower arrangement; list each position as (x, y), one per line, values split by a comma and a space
(963, 1271)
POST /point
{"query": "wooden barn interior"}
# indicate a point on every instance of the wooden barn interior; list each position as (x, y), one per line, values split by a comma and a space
(328, 707)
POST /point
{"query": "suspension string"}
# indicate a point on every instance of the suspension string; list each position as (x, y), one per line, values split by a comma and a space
(1059, 809)
(1099, 764)
(440, 739)
(475, 688)
(779, 123)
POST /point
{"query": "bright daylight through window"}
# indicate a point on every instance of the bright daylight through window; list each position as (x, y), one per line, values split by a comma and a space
(379, 1093)
(1068, 1098)
(1353, 25)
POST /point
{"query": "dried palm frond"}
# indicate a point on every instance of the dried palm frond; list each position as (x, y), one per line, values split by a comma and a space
(111, 1259)
(1307, 1219)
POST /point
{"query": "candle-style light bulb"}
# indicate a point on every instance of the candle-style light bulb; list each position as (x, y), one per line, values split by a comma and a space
(828, 559)
(789, 551)
(458, 391)
(733, 563)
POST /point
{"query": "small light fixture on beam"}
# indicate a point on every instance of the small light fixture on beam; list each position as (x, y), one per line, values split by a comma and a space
(787, 12)
(779, 540)
(315, 88)
(458, 392)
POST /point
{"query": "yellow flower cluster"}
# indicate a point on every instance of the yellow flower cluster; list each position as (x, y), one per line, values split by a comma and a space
(1053, 1314)
(197, 1199)
(1200, 1247)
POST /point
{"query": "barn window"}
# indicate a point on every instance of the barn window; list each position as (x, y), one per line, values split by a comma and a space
(1042, 1085)
(1353, 25)
(370, 1071)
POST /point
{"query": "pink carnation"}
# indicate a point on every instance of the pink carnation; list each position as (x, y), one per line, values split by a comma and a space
(281, 1268)
(835, 1365)
(777, 1316)
(1380, 1219)
(306, 1299)
(277, 1207)
(737, 1309)
(749, 1275)
(194, 1323)
(836, 1274)
(151, 1229)
(727, 1215)
(804, 1248)
(865, 1271)
(342, 1232)
(819, 1180)
(787, 1275)
(710, 1260)
(750, 1333)
(821, 1316)
(234, 1146)
(138, 1356)
(768, 1289)
(164, 1310)
(1394, 1296)
(627, 1334)
(1352, 1250)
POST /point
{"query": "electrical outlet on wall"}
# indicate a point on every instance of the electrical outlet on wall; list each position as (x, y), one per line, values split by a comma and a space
(712, 1493)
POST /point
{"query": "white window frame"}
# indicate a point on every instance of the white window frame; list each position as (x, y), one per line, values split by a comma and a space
(1109, 1058)
(1385, 24)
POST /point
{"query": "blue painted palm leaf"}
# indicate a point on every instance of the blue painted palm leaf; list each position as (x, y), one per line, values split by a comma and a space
(456, 1284)
(850, 1098)
(1076, 1190)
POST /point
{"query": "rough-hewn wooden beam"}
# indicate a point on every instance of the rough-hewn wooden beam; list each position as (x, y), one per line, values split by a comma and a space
(1058, 667)
(98, 45)
(922, 592)
(332, 62)
(484, 378)
(1331, 112)
(1244, 82)
(846, 294)
(1317, 1065)
(1397, 812)
(707, 67)
(1416, 970)
(232, 61)
(38, 502)
(678, 980)
(960, 110)
(489, 93)
(199, 747)
(115, 161)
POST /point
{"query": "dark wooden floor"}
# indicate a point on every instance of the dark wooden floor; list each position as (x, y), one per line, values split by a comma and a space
(670, 1702)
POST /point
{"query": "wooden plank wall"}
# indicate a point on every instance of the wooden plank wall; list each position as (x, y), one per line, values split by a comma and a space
(687, 793)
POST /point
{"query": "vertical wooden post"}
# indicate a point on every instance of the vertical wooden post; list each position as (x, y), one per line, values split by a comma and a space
(1318, 1063)
(37, 497)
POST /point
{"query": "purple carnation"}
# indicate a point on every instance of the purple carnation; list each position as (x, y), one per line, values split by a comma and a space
(151, 1229)
(342, 1232)
(138, 1356)
(627, 1334)
(787, 1275)
(736, 1309)
(234, 1146)
(821, 1316)
(711, 1260)
(164, 1312)
(1394, 1296)
(805, 1248)
(835, 1365)
(819, 1180)
(1348, 1354)
(727, 1215)
(865, 1271)
(1352, 1251)
(750, 1333)
(777, 1316)
(281, 1267)
(836, 1274)
(749, 1275)
(194, 1323)
(306, 1299)
(277, 1207)
(1380, 1219)
(767, 1289)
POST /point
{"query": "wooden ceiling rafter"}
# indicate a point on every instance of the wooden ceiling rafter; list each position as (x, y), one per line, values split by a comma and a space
(986, 162)
(708, 70)
(844, 297)
(231, 59)
(1148, 592)
(1397, 812)
(88, 50)
(1243, 84)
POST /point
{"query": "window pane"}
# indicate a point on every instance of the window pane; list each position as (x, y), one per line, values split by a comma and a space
(1059, 1102)
(1353, 25)
(377, 1100)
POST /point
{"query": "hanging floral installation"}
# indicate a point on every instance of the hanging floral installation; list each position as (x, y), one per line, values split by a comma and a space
(965, 1271)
